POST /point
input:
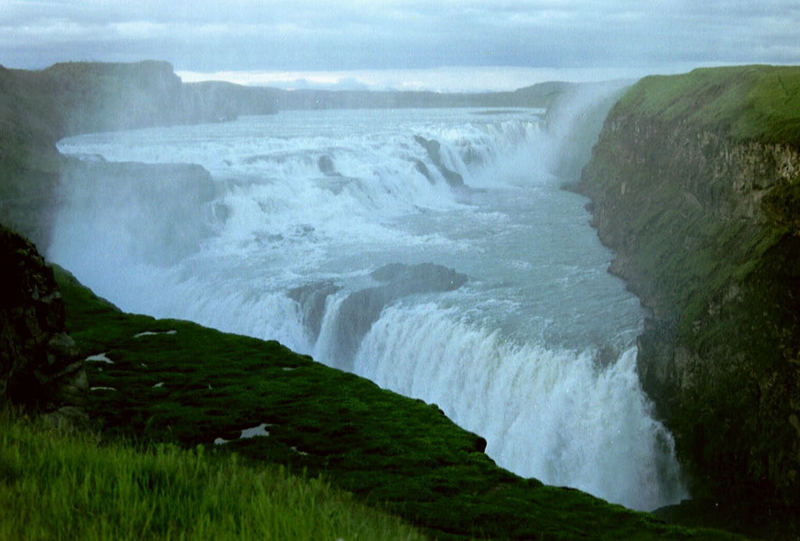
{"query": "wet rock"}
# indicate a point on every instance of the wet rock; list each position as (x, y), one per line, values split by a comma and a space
(362, 308)
(326, 167)
(312, 298)
(434, 150)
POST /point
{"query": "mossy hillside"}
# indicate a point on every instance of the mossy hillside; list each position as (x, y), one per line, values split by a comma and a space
(57, 485)
(666, 180)
(194, 385)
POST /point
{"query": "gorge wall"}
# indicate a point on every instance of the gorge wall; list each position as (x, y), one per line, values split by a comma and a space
(695, 183)
(37, 108)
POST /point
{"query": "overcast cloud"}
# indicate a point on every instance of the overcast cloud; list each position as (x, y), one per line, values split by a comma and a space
(263, 40)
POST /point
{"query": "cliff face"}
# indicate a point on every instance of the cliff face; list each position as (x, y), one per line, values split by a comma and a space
(695, 182)
(106, 97)
(37, 108)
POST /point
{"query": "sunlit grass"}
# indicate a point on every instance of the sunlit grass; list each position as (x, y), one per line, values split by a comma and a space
(59, 486)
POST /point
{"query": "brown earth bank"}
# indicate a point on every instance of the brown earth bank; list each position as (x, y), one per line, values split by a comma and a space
(695, 183)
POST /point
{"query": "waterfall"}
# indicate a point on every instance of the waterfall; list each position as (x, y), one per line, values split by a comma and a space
(431, 251)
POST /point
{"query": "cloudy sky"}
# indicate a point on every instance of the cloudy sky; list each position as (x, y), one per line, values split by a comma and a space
(439, 44)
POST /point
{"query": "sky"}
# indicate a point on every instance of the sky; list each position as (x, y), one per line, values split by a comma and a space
(407, 44)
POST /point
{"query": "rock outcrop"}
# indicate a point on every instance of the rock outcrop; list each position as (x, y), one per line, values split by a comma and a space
(39, 365)
(695, 183)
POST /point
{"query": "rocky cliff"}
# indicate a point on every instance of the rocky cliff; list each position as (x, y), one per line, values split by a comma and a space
(695, 183)
(37, 108)
(39, 364)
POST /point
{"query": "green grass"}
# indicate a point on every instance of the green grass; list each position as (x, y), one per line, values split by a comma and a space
(759, 103)
(55, 485)
(398, 454)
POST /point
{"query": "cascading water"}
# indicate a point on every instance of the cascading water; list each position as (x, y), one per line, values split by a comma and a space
(429, 250)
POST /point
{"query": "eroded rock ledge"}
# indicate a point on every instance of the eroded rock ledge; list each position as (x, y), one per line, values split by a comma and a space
(695, 183)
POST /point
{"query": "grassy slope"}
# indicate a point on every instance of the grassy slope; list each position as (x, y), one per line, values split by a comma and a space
(387, 449)
(760, 103)
(59, 486)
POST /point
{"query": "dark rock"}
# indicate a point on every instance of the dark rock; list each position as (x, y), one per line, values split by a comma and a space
(434, 150)
(362, 308)
(39, 364)
(420, 166)
(326, 167)
(312, 298)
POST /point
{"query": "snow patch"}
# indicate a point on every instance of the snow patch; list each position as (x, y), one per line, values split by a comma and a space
(260, 430)
(99, 358)
(154, 333)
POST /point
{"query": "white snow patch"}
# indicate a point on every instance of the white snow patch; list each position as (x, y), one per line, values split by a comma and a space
(154, 333)
(260, 430)
(99, 358)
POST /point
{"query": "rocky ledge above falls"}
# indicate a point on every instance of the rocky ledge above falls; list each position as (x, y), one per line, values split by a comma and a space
(695, 183)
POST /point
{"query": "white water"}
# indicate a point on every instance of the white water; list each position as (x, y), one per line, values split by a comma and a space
(535, 351)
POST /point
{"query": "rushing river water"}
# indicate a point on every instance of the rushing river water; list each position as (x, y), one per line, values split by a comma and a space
(431, 251)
